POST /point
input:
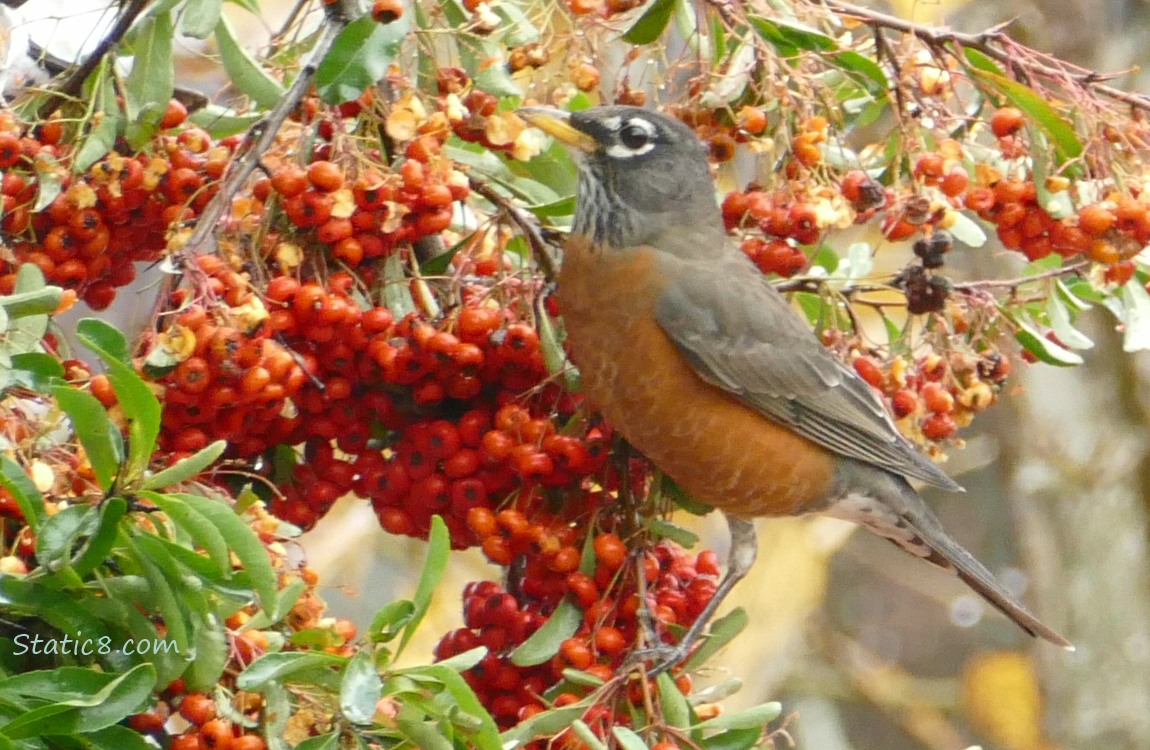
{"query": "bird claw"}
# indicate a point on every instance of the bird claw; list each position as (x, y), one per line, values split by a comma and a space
(664, 657)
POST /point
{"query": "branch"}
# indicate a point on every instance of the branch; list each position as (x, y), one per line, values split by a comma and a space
(260, 137)
(523, 221)
(1012, 284)
(983, 42)
(71, 86)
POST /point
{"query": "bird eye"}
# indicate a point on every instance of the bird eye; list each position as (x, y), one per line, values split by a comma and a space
(634, 136)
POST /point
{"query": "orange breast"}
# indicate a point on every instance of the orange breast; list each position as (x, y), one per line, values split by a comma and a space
(720, 451)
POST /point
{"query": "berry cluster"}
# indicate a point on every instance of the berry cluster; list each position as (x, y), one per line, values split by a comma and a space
(115, 213)
(678, 586)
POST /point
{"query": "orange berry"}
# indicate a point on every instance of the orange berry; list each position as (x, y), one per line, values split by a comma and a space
(610, 551)
(325, 176)
(386, 11)
(937, 398)
(1096, 220)
(1006, 121)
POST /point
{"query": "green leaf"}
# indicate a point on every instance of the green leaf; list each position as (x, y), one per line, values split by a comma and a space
(100, 544)
(244, 543)
(486, 736)
(1059, 316)
(1136, 318)
(756, 717)
(360, 689)
(732, 739)
(153, 77)
(982, 62)
(1061, 133)
(43, 370)
(117, 737)
(101, 439)
(791, 35)
(676, 533)
(329, 741)
(545, 724)
(676, 710)
(115, 701)
(187, 468)
(212, 650)
(156, 564)
(279, 666)
(101, 136)
(200, 17)
(359, 57)
(14, 479)
(63, 531)
(651, 24)
(721, 632)
(220, 122)
(202, 531)
(390, 620)
(854, 62)
(628, 739)
(1041, 347)
(589, 738)
(396, 293)
(49, 181)
(466, 660)
(517, 27)
(136, 398)
(544, 642)
(438, 550)
(42, 301)
(245, 72)
(679, 496)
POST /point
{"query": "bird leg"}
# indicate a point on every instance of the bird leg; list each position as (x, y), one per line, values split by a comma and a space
(740, 558)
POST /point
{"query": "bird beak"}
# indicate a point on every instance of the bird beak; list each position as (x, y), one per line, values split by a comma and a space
(557, 123)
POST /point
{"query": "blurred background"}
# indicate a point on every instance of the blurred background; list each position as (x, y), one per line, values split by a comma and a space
(870, 648)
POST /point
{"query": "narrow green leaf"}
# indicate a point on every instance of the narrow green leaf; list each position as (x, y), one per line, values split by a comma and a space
(199, 18)
(982, 62)
(245, 72)
(1060, 323)
(156, 564)
(679, 496)
(212, 650)
(438, 550)
(676, 710)
(279, 666)
(651, 24)
(49, 181)
(1061, 133)
(628, 738)
(199, 528)
(244, 543)
(136, 398)
(854, 62)
(359, 57)
(396, 293)
(590, 739)
(63, 531)
(43, 370)
(792, 34)
(360, 689)
(43, 301)
(756, 717)
(545, 724)
(186, 469)
(101, 439)
(329, 741)
(390, 620)
(420, 732)
(721, 632)
(465, 661)
(14, 479)
(676, 533)
(544, 642)
(56, 685)
(119, 698)
(732, 739)
(1043, 348)
(117, 737)
(486, 736)
(1136, 317)
(99, 545)
(153, 77)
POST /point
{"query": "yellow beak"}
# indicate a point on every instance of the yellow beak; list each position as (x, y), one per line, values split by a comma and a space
(556, 123)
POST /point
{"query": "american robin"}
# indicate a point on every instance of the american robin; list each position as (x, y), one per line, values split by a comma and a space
(695, 358)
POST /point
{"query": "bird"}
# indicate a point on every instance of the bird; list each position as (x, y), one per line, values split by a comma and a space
(694, 357)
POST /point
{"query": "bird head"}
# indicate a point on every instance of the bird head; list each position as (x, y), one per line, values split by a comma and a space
(643, 177)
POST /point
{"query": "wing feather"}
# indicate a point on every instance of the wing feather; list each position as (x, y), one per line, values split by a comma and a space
(741, 335)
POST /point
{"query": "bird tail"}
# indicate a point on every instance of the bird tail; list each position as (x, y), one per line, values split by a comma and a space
(887, 505)
(937, 547)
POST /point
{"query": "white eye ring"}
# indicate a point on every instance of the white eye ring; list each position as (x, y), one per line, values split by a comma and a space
(638, 129)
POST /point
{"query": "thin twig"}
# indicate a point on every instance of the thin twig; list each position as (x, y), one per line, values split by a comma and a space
(523, 221)
(71, 86)
(984, 284)
(983, 42)
(260, 137)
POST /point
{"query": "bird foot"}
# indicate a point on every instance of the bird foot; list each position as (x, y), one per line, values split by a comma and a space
(657, 659)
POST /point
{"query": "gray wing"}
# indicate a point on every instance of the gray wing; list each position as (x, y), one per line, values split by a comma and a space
(741, 335)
